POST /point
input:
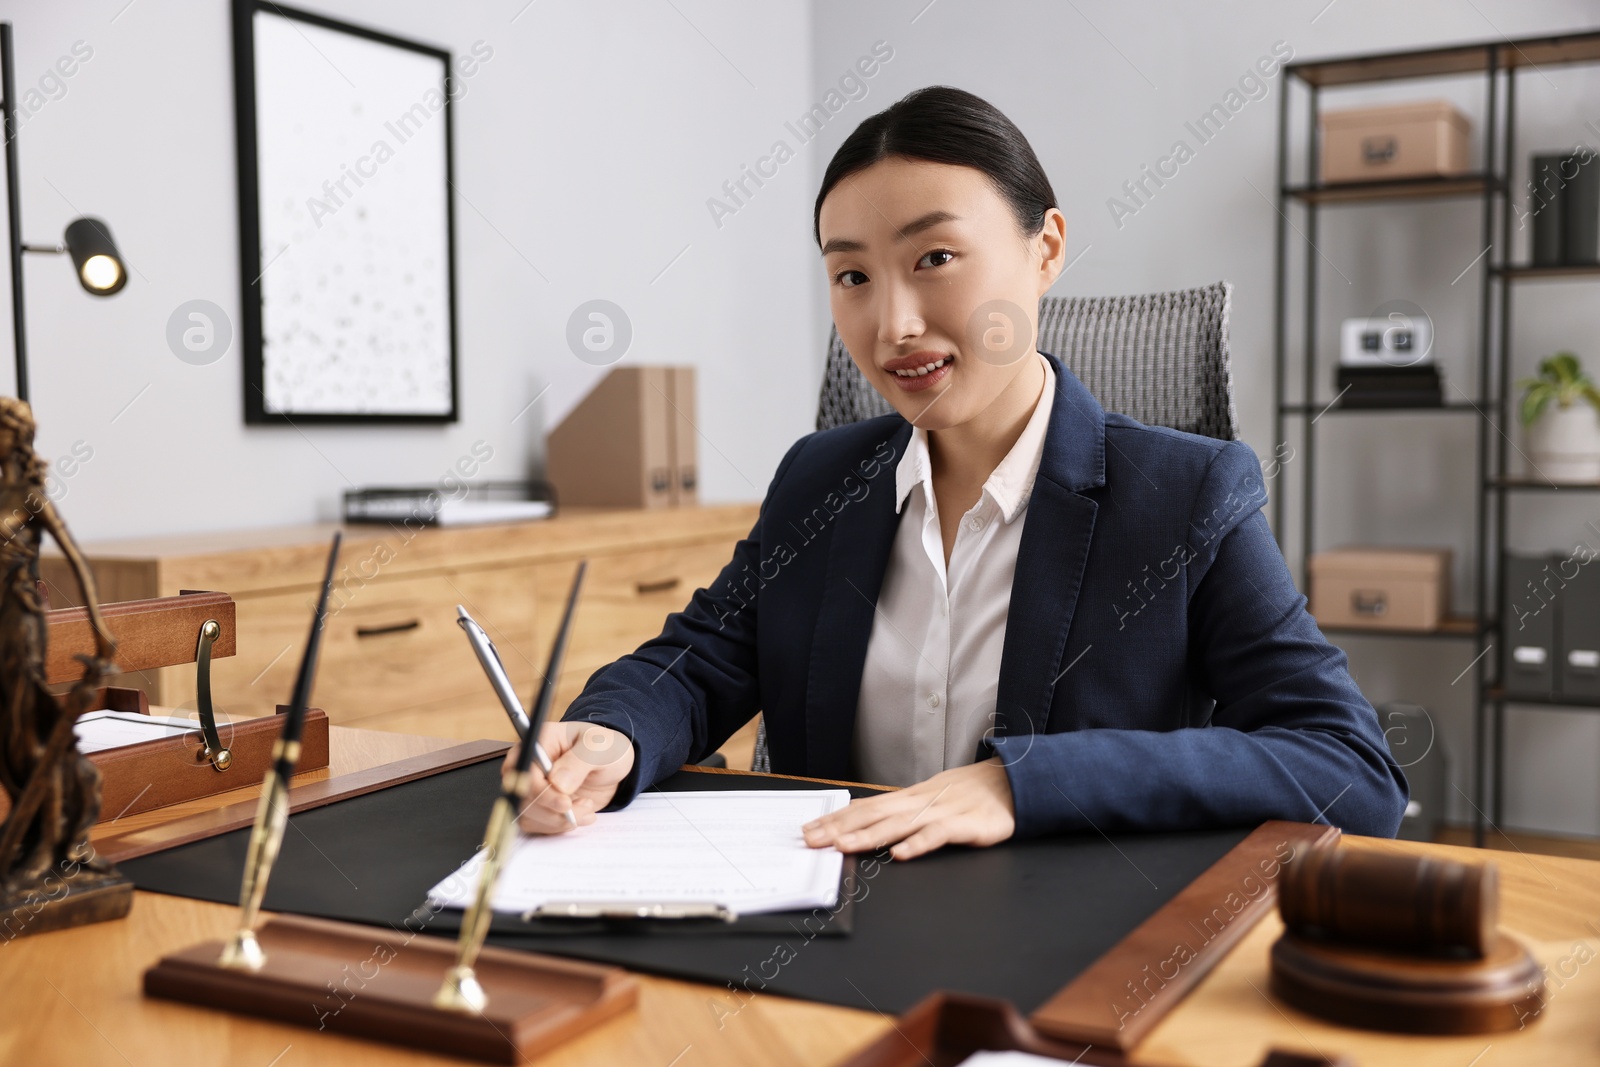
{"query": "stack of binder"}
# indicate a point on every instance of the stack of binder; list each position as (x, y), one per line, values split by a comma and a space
(1564, 200)
(468, 504)
(1552, 627)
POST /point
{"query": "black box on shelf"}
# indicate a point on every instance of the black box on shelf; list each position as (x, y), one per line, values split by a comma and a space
(1532, 592)
(1419, 386)
(1564, 202)
(1546, 202)
(1580, 208)
(1577, 656)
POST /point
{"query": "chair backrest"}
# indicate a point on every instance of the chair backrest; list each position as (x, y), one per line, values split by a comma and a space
(1161, 358)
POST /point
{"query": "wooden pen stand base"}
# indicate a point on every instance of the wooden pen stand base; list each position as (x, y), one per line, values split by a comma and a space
(376, 983)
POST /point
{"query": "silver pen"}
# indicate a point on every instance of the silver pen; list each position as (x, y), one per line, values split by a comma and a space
(489, 659)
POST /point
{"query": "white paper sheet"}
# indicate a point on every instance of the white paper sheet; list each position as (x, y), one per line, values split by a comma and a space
(741, 849)
(1009, 1059)
(475, 512)
(100, 730)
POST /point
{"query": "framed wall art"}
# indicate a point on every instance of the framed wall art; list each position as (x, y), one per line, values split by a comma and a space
(346, 221)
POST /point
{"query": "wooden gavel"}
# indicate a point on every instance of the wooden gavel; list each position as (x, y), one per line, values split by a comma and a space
(1407, 903)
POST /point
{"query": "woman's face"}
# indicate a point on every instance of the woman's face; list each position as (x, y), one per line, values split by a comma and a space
(934, 289)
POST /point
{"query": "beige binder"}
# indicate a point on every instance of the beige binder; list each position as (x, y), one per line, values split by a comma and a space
(629, 443)
(685, 438)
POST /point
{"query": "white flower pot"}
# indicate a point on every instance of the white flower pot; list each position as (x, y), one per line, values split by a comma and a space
(1564, 443)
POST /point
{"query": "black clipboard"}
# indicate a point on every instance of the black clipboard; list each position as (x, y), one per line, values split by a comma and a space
(373, 858)
(837, 921)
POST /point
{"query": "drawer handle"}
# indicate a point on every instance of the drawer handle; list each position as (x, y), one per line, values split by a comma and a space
(1379, 149)
(393, 628)
(1369, 603)
(660, 586)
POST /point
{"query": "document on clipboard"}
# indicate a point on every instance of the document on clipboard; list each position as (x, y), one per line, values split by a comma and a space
(671, 854)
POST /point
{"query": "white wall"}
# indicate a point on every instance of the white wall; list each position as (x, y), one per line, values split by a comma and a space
(1103, 87)
(586, 151)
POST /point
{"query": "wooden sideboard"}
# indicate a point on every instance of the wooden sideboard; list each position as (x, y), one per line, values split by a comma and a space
(393, 657)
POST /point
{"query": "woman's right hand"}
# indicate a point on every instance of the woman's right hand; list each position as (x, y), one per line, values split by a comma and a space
(587, 762)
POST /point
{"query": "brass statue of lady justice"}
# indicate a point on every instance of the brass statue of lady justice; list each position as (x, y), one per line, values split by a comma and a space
(49, 874)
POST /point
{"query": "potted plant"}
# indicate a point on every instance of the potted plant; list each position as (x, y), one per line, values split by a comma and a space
(1561, 414)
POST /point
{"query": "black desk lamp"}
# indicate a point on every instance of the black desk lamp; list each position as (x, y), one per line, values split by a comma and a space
(87, 240)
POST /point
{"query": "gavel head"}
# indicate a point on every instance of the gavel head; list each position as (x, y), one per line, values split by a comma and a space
(1407, 903)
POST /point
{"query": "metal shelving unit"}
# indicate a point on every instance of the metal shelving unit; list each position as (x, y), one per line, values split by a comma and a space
(1457, 407)
(1498, 64)
(1451, 627)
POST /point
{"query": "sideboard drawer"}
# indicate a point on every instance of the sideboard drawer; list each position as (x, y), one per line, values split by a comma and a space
(389, 644)
(626, 599)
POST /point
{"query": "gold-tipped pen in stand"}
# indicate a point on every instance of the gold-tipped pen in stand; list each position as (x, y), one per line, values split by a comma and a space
(243, 951)
(461, 991)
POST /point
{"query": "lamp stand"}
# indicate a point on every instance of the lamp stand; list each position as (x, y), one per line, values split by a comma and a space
(13, 209)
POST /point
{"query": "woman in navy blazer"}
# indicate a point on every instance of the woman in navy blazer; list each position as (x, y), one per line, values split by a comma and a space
(1159, 670)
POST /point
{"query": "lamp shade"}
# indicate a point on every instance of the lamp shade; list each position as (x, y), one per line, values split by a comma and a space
(95, 256)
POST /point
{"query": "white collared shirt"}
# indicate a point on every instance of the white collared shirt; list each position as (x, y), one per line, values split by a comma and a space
(933, 662)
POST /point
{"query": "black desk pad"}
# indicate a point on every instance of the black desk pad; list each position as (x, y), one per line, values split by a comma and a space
(1017, 921)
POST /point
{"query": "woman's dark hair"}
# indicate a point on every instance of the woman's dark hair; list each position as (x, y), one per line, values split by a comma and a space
(940, 124)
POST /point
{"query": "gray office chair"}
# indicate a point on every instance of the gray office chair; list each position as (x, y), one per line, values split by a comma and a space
(1161, 358)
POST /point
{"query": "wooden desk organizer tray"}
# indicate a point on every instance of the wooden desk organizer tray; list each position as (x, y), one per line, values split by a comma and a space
(1087, 1020)
(945, 1028)
(164, 632)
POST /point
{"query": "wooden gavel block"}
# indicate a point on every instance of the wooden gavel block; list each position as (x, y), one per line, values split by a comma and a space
(1401, 943)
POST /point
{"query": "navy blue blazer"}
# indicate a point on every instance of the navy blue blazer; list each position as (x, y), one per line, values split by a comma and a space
(1159, 670)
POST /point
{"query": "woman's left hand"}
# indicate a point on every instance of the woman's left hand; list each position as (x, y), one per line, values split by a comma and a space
(962, 806)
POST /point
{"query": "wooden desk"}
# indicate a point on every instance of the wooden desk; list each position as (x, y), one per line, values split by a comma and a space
(73, 997)
(1551, 902)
